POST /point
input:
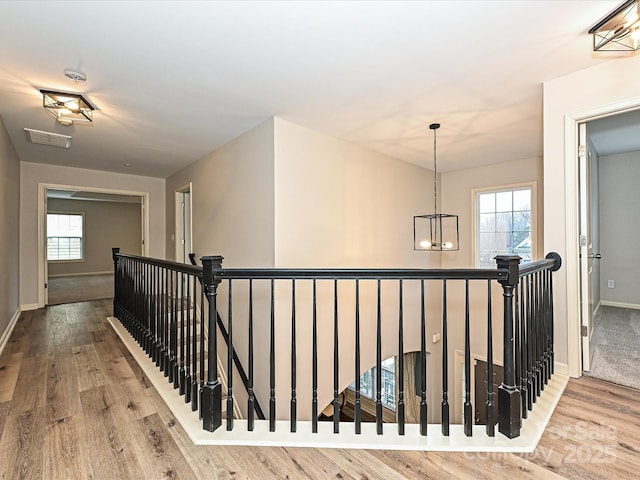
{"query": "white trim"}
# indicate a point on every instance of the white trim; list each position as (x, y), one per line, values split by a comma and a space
(633, 306)
(532, 428)
(4, 338)
(29, 306)
(595, 310)
(83, 274)
(561, 369)
(571, 262)
(533, 185)
(42, 218)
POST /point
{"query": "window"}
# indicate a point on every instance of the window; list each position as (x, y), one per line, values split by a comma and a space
(65, 232)
(504, 224)
(388, 386)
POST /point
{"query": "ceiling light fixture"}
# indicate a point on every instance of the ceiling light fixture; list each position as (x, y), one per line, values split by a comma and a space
(75, 75)
(435, 232)
(619, 31)
(67, 107)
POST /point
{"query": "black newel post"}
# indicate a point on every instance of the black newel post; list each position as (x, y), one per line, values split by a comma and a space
(509, 403)
(114, 253)
(211, 392)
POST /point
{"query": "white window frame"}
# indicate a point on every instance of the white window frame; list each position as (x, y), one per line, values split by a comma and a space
(74, 260)
(504, 188)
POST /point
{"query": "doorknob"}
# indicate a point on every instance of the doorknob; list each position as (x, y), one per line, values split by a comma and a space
(597, 256)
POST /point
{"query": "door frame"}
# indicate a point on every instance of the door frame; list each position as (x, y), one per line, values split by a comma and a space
(572, 204)
(43, 272)
(179, 226)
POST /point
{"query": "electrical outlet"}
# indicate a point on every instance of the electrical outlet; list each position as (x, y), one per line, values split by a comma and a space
(611, 284)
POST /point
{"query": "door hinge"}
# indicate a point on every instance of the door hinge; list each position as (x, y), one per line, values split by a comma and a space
(584, 331)
(581, 151)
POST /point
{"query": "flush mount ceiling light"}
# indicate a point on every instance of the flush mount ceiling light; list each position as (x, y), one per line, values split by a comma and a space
(48, 138)
(67, 107)
(619, 31)
(435, 232)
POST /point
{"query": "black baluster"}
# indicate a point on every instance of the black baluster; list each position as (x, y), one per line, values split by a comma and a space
(445, 364)
(468, 408)
(182, 373)
(294, 407)
(230, 361)
(531, 380)
(423, 362)
(187, 378)
(357, 404)
(251, 401)
(336, 353)
(379, 364)
(314, 364)
(522, 373)
(400, 407)
(491, 412)
(272, 366)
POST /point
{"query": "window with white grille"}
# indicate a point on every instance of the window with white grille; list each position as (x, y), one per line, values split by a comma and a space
(65, 236)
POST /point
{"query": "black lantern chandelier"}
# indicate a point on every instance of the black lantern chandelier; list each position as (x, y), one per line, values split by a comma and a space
(619, 31)
(435, 232)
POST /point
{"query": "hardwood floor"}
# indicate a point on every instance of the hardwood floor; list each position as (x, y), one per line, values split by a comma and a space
(75, 405)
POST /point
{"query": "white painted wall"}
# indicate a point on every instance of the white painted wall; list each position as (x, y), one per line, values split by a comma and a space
(339, 205)
(32, 174)
(9, 234)
(603, 88)
(620, 227)
(232, 199)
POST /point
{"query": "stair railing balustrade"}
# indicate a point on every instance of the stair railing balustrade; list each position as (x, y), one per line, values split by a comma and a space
(162, 304)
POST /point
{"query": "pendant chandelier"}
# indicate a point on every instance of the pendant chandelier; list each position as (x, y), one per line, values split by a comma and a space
(435, 232)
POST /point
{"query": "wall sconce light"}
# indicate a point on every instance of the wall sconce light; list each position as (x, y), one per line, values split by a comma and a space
(435, 232)
(619, 31)
(67, 107)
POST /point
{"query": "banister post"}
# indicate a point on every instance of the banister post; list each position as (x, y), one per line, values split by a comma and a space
(211, 391)
(114, 254)
(509, 403)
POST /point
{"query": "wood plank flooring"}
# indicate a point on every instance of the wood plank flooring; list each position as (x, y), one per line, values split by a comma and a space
(74, 405)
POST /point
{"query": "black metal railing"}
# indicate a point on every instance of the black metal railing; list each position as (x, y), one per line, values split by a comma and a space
(342, 302)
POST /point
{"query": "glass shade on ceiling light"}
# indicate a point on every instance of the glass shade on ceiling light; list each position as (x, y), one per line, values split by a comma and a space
(67, 107)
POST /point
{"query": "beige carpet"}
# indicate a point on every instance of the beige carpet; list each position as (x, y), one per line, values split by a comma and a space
(80, 288)
(617, 346)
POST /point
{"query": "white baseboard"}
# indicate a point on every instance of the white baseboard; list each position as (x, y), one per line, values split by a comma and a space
(633, 306)
(29, 306)
(561, 368)
(595, 310)
(60, 275)
(4, 338)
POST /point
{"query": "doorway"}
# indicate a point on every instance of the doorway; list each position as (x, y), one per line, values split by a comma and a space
(183, 236)
(91, 260)
(608, 168)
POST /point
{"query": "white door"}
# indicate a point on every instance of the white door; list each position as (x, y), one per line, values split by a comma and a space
(183, 225)
(586, 248)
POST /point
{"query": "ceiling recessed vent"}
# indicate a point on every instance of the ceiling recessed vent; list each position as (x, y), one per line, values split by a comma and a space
(48, 138)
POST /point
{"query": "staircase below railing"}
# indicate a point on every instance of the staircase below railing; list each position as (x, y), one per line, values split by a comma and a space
(169, 307)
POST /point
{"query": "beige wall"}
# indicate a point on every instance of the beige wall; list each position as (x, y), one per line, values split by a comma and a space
(32, 174)
(232, 198)
(9, 233)
(605, 87)
(457, 188)
(106, 225)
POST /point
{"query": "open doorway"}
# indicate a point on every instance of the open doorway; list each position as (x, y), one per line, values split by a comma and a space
(610, 260)
(78, 226)
(183, 224)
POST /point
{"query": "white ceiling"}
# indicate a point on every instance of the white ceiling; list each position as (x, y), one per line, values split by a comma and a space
(173, 81)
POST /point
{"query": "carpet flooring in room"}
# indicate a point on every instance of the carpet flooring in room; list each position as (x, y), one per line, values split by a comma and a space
(616, 356)
(80, 288)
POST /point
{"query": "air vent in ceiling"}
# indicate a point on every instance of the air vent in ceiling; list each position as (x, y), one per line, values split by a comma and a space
(48, 138)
